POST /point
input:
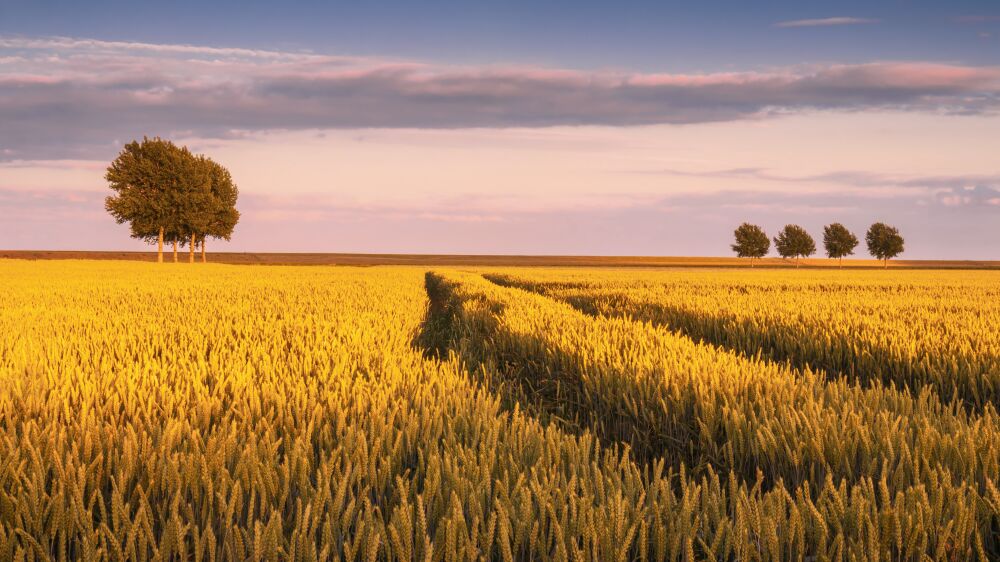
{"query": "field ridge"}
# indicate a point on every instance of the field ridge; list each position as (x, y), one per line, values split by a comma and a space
(367, 259)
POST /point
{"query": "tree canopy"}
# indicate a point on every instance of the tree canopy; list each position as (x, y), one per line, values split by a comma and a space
(838, 241)
(794, 242)
(166, 193)
(222, 215)
(751, 242)
(884, 242)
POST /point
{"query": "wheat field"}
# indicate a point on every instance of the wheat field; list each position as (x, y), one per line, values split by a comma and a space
(218, 412)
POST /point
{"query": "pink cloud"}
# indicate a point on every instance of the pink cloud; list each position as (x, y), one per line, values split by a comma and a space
(913, 76)
(981, 18)
(90, 165)
(826, 22)
(700, 80)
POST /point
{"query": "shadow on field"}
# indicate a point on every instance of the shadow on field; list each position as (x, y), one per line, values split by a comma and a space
(548, 382)
(435, 336)
(527, 374)
(447, 330)
(950, 384)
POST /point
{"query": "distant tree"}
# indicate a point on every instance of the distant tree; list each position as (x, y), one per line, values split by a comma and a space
(794, 242)
(751, 242)
(839, 241)
(884, 242)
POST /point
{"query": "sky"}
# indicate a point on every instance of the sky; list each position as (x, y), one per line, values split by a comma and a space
(612, 128)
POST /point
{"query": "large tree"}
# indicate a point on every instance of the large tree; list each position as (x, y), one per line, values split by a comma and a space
(794, 242)
(751, 242)
(839, 241)
(149, 179)
(884, 242)
(168, 194)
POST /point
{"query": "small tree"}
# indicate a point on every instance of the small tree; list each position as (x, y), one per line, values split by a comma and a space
(884, 242)
(839, 241)
(751, 242)
(794, 242)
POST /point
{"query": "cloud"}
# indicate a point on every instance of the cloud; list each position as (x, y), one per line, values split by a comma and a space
(980, 18)
(851, 178)
(768, 203)
(44, 205)
(89, 165)
(824, 22)
(68, 43)
(955, 225)
(977, 196)
(323, 208)
(74, 99)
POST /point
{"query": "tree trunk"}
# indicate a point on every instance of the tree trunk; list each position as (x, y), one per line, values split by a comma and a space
(885, 263)
(203, 260)
(175, 251)
(159, 247)
(191, 249)
(841, 264)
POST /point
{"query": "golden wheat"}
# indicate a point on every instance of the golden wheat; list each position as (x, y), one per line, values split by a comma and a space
(671, 398)
(910, 329)
(237, 413)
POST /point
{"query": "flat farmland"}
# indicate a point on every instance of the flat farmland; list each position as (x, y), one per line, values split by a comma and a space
(457, 412)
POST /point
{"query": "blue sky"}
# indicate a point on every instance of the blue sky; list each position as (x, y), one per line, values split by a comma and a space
(706, 36)
(534, 127)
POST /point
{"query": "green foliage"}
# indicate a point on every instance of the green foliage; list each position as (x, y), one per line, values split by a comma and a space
(148, 179)
(839, 241)
(222, 214)
(794, 242)
(194, 203)
(751, 242)
(884, 241)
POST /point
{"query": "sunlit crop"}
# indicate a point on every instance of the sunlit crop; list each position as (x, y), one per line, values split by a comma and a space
(211, 412)
(909, 329)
